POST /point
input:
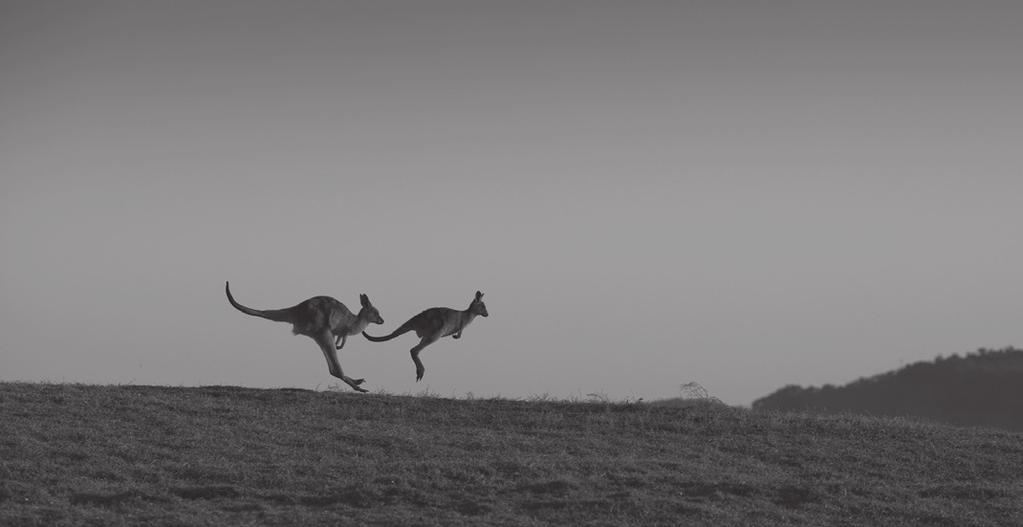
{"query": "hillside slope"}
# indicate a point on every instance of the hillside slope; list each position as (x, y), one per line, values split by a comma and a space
(110, 455)
(980, 389)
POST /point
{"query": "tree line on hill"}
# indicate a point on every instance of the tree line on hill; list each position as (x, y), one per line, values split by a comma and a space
(984, 388)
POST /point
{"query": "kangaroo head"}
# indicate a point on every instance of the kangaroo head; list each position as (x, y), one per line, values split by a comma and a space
(477, 306)
(369, 312)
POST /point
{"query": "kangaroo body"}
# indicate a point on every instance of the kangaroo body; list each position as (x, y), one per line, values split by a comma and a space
(434, 324)
(324, 319)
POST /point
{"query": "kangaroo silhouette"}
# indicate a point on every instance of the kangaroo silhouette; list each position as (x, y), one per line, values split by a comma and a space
(433, 324)
(324, 319)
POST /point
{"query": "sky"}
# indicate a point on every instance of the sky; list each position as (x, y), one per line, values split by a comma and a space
(745, 195)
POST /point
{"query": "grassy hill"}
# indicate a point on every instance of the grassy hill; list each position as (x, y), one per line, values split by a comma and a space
(109, 455)
(980, 389)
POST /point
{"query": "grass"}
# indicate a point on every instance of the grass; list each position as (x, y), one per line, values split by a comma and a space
(128, 455)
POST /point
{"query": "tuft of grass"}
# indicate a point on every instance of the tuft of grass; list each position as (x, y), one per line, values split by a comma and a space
(221, 455)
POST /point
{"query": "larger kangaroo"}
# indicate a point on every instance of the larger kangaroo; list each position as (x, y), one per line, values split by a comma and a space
(325, 320)
(434, 324)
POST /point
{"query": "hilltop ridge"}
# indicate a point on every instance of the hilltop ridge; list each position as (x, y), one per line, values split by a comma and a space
(121, 455)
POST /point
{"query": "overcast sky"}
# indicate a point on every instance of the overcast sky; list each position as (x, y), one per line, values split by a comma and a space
(741, 194)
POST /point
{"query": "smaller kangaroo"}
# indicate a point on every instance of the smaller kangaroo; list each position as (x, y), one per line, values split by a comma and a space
(434, 324)
(324, 319)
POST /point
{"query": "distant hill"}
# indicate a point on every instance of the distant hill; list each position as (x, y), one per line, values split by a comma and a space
(984, 388)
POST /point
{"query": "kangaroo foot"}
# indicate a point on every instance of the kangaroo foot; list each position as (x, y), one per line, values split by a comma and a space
(354, 383)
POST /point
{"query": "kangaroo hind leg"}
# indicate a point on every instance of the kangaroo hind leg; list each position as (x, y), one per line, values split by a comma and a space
(420, 369)
(325, 340)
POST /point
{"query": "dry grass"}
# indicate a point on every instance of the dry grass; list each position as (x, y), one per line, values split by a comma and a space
(110, 455)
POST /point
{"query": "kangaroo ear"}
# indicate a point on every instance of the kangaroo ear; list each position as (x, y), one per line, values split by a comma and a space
(479, 295)
(364, 299)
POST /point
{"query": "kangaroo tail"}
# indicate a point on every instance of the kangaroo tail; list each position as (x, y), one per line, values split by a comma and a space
(277, 315)
(404, 328)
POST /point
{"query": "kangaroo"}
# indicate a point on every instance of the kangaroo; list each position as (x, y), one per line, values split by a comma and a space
(433, 324)
(325, 320)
